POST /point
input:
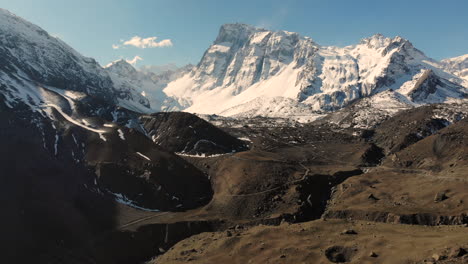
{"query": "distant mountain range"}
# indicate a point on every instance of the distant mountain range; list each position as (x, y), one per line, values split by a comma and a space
(247, 71)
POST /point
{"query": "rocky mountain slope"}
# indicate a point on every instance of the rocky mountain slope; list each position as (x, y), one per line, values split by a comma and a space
(32, 59)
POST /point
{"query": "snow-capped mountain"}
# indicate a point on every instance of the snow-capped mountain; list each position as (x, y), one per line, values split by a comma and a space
(247, 72)
(247, 67)
(147, 83)
(32, 59)
(159, 69)
(458, 66)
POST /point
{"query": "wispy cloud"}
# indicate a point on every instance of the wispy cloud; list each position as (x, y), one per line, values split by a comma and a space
(57, 35)
(143, 43)
(276, 19)
(134, 60)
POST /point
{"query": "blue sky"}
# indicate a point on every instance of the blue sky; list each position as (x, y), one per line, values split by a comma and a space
(439, 28)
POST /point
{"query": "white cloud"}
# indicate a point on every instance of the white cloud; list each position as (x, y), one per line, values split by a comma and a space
(144, 43)
(276, 19)
(56, 35)
(134, 60)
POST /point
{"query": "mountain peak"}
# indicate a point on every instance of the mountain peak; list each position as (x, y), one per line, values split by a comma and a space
(119, 63)
(238, 26)
(26, 48)
(6, 12)
(237, 32)
(14, 24)
(378, 41)
(158, 69)
(121, 67)
(461, 58)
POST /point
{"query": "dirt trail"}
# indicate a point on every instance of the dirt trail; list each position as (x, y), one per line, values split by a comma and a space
(142, 219)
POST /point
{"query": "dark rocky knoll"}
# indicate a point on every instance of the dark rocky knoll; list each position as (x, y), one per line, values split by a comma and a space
(189, 134)
(407, 128)
(145, 173)
(444, 151)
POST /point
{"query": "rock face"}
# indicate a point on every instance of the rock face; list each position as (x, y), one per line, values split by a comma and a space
(247, 64)
(195, 136)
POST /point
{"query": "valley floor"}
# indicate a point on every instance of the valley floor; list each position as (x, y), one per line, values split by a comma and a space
(321, 196)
